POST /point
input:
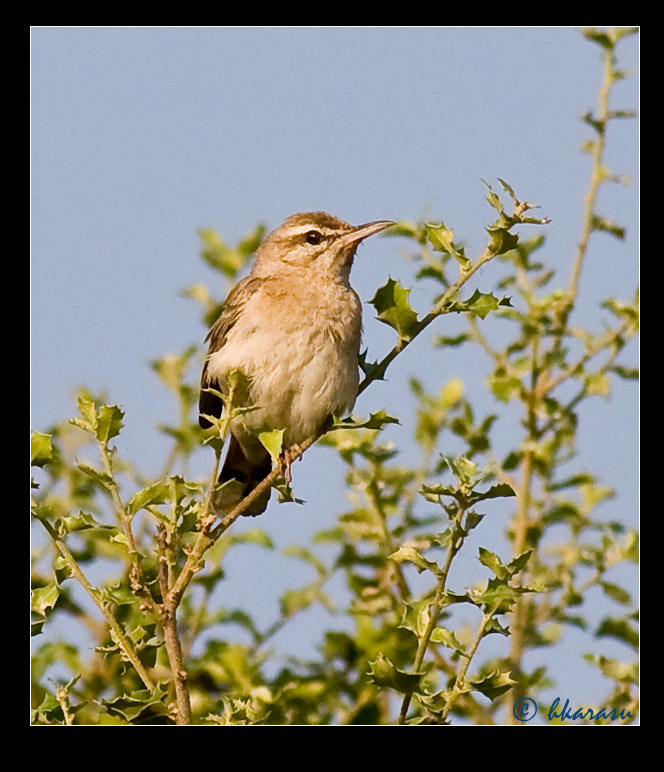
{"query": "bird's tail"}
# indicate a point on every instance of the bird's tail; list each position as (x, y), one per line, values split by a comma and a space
(239, 477)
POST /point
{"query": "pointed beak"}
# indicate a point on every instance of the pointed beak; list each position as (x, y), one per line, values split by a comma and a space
(364, 231)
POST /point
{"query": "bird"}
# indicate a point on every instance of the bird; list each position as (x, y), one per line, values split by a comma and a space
(287, 341)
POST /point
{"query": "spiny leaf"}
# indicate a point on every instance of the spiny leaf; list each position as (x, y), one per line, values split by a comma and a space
(375, 421)
(109, 422)
(104, 422)
(501, 240)
(394, 309)
(442, 240)
(131, 706)
(384, 673)
(368, 367)
(102, 478)
(447, 638)
(518, 563)
(493, 685)
(411, 555)
(480, 304)
(498, 597)
(156, 493)
(42, 599)
(119, 594)
(502, 490)
(41, 449)
(416, 616)
(492, 561)
(494, 199)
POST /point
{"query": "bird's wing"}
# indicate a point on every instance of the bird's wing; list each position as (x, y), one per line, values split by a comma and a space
(208, 403)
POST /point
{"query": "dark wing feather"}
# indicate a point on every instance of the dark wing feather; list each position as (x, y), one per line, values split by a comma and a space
(208, 403)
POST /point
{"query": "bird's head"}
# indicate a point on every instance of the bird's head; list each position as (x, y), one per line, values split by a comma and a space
(315, 242)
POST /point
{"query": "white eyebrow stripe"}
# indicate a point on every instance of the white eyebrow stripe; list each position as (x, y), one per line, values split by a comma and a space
(299, 230)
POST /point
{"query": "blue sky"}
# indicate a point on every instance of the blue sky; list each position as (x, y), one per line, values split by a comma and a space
(141, 136)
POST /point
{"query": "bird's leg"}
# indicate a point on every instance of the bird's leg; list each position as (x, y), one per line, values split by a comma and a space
(290, 455)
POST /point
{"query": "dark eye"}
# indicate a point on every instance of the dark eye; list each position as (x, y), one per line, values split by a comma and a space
(313, 237)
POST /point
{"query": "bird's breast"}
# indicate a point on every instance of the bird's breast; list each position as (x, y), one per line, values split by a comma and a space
(299, 351)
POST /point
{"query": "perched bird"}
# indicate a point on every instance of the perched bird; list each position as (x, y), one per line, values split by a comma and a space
(292, 330)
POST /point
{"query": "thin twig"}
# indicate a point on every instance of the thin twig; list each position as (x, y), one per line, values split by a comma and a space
(117, 633)
(436, 606)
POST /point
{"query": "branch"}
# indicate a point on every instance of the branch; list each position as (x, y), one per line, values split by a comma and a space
(435, 607)
(117, 633)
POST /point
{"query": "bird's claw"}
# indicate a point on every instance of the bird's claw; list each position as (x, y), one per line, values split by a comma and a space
(290, 454)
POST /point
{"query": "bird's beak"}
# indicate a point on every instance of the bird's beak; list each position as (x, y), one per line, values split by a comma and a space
(363, 231)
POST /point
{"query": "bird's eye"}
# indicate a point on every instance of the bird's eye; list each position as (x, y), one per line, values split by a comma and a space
(313, 237)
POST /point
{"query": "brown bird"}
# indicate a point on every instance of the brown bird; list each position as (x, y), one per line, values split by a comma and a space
(292, 329)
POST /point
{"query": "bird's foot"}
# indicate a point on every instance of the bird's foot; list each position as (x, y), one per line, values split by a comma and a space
(290, 454)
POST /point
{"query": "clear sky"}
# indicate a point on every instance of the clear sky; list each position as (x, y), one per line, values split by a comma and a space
(140, 136)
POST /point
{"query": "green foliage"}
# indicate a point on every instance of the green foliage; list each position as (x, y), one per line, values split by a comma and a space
(393, 308)
(432, 627)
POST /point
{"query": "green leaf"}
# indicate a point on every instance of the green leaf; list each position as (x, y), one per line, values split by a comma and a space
(42, 599)
(609, 38)
(517, 564)
(100, 477)
(502, 490)
(368, 367)
(620, 629)
(571, 482)
(416, 616)
(375, 421)
(139, 705)
(494, 626)
(454, 340)
(625, 672)
(493, 685)
(87, 409)
(606, 226)
(480, 304)
(498, 597)
(253, 536)
(504, 387)
(449, 639)
(225, 258)
(384, 673)
(433, 492)
(599, 384)
(501, 240)
(616, 592)
(393, 308)
(104, 422)
(494, 199)
(109, 422)
(508, 189)
(492, 561)
(293, 601)
(628, 373)
(442, 240)
(80, 522)
(286, 495)
(119, 594)
(41, 449)
(296, 551)
(411, 555)
(272, 441)
(156, 493)
(463, 468)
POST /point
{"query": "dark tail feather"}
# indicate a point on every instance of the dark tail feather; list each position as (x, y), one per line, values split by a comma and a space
(245, 476)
